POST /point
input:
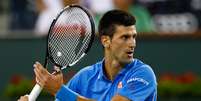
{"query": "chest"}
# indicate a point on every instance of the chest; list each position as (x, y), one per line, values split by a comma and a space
(102, 89)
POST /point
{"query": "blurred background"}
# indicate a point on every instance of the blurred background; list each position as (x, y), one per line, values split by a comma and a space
(169, 40)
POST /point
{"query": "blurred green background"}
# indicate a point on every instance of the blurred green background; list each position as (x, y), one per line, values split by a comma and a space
(166, 55)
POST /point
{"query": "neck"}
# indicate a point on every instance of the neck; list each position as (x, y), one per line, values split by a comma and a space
(112, 68)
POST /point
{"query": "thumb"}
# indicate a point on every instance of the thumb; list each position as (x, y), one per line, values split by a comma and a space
(57, 71)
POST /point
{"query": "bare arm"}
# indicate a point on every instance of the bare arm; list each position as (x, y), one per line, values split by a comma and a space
(119, 98)
(81, 98)
(115, 98)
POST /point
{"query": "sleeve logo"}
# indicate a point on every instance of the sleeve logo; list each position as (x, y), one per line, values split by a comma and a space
(139, 80)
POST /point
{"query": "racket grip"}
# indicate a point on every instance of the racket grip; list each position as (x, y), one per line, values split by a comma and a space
(35, 92)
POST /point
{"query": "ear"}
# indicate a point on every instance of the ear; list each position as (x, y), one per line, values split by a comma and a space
(105, 40)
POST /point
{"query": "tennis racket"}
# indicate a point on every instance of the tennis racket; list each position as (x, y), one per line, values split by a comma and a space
(69, 39)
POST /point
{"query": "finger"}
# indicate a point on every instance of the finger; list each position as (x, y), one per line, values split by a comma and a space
(40, 78)
(23, 98)
(42, 75)
(41, 69)
(37, 80)
(38, 66)
(38, 73)
(57, 69)
(58, 72)
(40, 82)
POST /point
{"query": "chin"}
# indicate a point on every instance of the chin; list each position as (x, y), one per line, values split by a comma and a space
(130, 60)
(127, 61)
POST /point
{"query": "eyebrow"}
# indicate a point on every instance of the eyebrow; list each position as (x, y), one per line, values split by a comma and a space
(127, 34)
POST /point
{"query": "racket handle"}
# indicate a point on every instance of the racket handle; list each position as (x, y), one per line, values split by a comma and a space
(35, 92)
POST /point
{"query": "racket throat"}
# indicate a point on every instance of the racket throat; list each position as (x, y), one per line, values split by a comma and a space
(77, 60)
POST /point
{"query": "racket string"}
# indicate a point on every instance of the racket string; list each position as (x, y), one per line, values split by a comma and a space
(70, 36)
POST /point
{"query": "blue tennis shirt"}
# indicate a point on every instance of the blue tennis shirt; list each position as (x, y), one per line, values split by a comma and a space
(136, 81)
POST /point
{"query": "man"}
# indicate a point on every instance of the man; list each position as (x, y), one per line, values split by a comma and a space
(118, 77)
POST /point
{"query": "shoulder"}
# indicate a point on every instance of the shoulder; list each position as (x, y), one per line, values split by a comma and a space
(138, 66)
(79, 80)
(141, 70)
(88, 71)
(139, 83)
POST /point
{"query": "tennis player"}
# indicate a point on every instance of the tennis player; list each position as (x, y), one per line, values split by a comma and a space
(118, 77)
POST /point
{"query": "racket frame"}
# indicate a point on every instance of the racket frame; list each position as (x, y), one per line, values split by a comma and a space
(48, 56)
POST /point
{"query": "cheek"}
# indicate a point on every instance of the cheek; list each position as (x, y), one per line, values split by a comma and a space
(115, 46)
(118, 49)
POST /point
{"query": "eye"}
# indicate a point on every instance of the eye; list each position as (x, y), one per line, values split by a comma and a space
(134, 36)
(125, 37)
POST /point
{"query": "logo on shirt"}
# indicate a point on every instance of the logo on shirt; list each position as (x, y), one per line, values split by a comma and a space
(120, 85)
(139, 80)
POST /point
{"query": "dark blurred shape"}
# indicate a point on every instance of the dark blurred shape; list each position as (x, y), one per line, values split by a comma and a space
(175, 16)
(22, 15)
(1, 7)
(196, 10)
(141, 13)
(69, 2)
(176, 23)
(97, 8)
(47, 11)
(169, 6)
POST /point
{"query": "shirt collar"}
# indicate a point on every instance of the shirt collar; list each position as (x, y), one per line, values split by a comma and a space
(122, 72)
(101, 73)
(126, 68)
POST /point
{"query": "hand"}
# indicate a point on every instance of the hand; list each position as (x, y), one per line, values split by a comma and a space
(50, 82)
(23, 98)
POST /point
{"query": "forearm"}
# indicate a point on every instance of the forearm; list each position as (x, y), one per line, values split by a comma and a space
(81, 98)
(119, 98)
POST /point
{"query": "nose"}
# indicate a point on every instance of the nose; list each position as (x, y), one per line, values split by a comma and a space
(132, 43)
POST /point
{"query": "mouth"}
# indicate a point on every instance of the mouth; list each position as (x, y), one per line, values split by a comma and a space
(130, 53)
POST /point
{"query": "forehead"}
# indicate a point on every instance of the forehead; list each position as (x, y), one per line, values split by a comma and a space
(121, 30)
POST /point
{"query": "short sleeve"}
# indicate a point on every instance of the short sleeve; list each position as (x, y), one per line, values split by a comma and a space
(140, 85)
(78, 82)
(72, 84)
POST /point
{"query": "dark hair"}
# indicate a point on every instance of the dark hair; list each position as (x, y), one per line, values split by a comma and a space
(111, 19)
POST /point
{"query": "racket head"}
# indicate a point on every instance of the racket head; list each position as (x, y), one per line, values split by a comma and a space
(73, 25)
